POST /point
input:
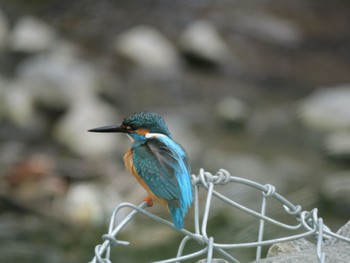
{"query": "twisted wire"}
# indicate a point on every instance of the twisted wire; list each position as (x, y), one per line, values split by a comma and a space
(308, 222)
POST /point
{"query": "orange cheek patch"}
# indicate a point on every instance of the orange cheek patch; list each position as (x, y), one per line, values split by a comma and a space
(142, 131)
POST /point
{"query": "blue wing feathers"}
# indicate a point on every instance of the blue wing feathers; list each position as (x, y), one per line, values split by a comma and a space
(183, 177)
(162, 163)
(149, 168)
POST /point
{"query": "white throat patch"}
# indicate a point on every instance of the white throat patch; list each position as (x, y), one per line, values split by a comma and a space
(154, 135)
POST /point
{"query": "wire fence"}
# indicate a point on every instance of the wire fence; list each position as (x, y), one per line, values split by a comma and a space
(307, 222)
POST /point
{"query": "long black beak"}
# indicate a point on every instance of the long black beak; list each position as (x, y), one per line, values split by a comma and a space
(109, 128)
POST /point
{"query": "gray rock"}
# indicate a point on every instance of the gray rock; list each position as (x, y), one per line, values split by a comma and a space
(293, 246)
(336, 189)
(202, 41)
(337, 144)
(343, 231)
(147, 48)
(4, 29)
(327, 109)
(31, 35)
(302, 250)
(340, 254)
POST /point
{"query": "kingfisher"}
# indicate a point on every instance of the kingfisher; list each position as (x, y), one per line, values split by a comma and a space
(157, 162)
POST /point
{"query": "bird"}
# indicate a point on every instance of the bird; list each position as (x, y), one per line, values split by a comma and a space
(158, 163)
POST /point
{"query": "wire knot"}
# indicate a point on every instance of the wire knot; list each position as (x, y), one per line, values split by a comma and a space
(203, 178)
(295, 211)
(113, 241)
(223, 177)
(310, 219)
(270, 190)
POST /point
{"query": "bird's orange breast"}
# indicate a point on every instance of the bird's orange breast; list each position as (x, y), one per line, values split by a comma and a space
(129, 164)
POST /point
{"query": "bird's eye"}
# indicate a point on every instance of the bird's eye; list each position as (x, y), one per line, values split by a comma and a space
(129, 128)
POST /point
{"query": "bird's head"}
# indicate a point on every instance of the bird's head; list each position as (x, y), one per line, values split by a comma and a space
(138, 125)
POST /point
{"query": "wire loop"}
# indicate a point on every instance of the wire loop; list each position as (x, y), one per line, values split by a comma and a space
(270, 190)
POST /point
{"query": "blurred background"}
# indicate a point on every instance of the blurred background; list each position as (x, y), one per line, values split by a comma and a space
(259, 88)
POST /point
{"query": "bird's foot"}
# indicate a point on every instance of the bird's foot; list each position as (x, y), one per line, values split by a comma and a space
(149, 201)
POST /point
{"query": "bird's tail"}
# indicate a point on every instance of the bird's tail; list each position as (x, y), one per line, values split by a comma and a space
(177, 215)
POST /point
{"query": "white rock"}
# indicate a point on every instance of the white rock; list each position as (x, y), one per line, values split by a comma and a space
(87, 113)
(3, 30)
(148, 48)
(31, 35)
(202, 40)
(327, 109)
